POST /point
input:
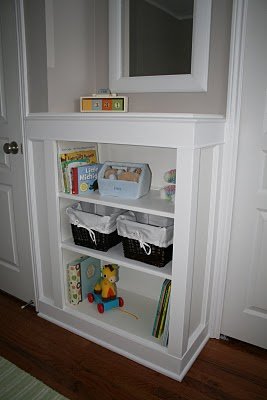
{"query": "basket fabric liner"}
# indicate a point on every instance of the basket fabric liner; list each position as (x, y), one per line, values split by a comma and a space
(90, 221)
(144, 233)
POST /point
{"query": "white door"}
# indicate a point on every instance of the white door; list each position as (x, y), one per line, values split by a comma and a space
(245, 305)
(16, 275)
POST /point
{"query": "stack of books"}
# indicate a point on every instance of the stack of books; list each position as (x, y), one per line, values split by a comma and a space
(161, 323)
(78, 167)
(82, 275)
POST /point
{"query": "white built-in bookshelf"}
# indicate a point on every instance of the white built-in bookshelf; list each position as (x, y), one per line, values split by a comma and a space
(189, 143)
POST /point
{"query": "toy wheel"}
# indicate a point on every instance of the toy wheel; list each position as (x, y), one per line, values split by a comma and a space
(121, 302)
(90, 297)
(100, 308)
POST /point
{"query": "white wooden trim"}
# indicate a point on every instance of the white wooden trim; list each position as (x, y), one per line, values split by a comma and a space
(211, 235)
(182, 131)
(33, 221)
(23, 99)
(187, 178)
(51, 168)
(197, 81)
(229, 162)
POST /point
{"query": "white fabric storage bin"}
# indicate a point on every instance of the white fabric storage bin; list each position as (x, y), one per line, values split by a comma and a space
(147, 243)
(94, 225)
(158, 235)
(151, 219)
(99, 209)
(94, 216)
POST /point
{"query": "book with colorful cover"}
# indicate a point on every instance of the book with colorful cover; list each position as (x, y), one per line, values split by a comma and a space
(74, 154)
(165, 335)
(160, 307)
(162, 321)
(90, 275)
(74, 280)
(82, 275)
(84, 178)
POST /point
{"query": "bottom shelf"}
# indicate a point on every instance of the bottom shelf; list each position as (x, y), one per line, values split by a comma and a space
(135, 318)
(109, 330)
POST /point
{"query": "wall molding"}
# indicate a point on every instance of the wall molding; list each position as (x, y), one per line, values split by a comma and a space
(229, 162)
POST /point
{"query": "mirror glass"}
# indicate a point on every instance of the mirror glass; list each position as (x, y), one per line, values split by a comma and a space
(157, 37)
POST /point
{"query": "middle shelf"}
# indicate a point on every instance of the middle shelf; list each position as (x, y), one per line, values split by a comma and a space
(115, 255)
(150, 203)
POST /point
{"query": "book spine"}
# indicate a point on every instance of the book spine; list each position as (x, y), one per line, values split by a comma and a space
(161, 317)
(74, 180)
(66, 179)
(165, 335)
(159, 308)
(164, 312)
(74, 283)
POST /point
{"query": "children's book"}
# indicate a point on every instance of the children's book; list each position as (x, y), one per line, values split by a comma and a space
(74, 280)
(82, 275)
(74, 154)
(84, 178)
(160, 317)
(165, 335)
(90, 275)
(164, 311)
(160, 307)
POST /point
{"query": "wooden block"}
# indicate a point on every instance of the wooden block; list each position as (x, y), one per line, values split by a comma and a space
(97, 103)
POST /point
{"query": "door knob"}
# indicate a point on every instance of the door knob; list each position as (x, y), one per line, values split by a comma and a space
(11, 148)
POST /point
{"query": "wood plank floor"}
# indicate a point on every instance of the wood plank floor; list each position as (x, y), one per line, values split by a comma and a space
(81, 370)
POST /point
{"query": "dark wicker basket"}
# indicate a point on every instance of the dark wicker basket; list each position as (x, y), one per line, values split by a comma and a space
(159, 256)
(104, 241)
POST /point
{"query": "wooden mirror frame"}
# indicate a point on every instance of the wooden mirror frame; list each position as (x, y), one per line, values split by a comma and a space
(197, 81)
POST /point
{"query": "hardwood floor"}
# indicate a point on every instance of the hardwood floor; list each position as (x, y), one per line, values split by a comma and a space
(81, 370)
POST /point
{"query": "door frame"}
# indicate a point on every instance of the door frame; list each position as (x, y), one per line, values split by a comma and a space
(23, 99)
(229, 163)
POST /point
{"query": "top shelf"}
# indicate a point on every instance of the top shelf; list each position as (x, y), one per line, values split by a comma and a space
(151, 203)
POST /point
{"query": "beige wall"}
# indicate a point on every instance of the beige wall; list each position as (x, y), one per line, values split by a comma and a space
(34, 11)
(214, 100)
(73, 74)
(81, 68)
(211, 102)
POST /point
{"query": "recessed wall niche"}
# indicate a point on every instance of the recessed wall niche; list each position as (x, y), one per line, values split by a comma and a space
(67, 57)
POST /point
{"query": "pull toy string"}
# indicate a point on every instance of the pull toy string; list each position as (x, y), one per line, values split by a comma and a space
(127, 312)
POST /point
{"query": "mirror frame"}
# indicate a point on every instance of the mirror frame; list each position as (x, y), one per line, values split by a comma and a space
(197, 81)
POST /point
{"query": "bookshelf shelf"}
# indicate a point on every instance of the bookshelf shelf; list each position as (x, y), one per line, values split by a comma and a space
(115, 255)
(191, 145)
(151, 203)
(134, 320)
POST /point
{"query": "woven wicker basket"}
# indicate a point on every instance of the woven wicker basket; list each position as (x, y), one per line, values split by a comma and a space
(94, 225)
(158, 257)
(103, 241)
